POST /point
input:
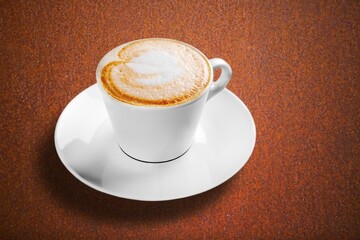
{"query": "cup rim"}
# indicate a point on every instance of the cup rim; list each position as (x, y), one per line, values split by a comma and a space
(152, 107)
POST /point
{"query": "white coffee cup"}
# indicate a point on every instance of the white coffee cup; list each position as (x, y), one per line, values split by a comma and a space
(164, 133)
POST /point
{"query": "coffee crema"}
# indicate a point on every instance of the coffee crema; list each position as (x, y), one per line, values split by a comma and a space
(155, 71)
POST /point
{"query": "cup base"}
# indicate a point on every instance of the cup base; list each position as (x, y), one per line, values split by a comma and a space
(91, 154)
(144, 161)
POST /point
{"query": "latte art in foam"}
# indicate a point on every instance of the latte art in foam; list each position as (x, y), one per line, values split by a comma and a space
(155, 72)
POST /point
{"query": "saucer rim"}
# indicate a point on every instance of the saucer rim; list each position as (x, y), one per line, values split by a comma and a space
(102, 190)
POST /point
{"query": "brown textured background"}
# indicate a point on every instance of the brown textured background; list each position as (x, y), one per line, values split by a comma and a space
(296, 66)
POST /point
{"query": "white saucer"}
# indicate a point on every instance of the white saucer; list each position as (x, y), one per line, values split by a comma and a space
(86, 145)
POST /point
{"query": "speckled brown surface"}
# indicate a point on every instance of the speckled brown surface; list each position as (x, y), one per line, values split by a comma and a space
(296, 66)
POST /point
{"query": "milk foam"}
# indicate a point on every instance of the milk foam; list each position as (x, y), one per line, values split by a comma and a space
(155, 72)
(163, 66)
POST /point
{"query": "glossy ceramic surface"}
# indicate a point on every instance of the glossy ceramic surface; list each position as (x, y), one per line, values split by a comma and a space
(85, 142)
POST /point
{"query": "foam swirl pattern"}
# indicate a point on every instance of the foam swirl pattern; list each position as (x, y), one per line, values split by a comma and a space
(155, 72)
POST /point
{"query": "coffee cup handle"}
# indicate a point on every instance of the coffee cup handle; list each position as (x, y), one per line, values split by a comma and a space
(219, 84)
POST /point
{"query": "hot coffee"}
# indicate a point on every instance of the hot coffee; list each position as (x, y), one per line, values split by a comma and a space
(155, 72)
